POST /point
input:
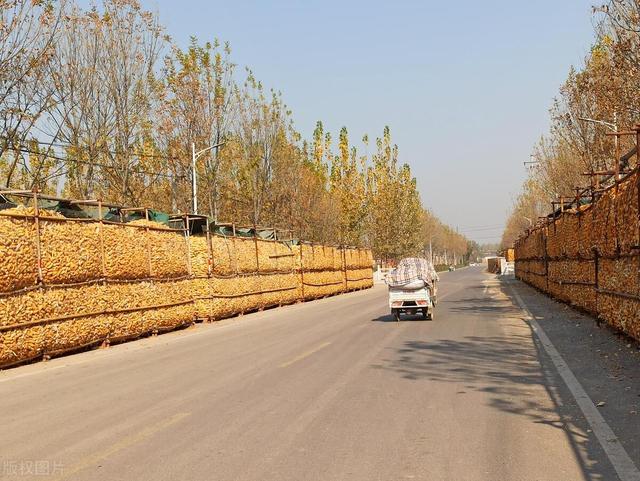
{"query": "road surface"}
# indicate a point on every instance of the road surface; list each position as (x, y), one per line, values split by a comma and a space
(328, 390)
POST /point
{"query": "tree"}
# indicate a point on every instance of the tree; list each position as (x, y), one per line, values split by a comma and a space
(261, 131)
(348, 187)
(605, 89)
(88, 111)
(198, 110)
(396, 214)
(28, 32)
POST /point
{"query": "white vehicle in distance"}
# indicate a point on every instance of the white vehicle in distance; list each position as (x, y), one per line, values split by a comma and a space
(412, 288)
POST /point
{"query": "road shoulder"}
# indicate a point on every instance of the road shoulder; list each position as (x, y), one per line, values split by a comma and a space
(606, 363)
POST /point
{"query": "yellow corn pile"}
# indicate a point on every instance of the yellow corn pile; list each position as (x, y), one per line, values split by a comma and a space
(227, 253)
(65, 260)
(96, 307)
(106, 281)
(590, 257)
(200, 256)
(18, 254)
(318, 258)
(359, 279)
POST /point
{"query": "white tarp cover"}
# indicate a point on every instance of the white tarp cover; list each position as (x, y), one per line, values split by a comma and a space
(410, 270)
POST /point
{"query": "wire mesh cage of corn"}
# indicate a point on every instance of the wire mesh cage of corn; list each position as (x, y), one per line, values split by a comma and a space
(68, 283)
(589, 256)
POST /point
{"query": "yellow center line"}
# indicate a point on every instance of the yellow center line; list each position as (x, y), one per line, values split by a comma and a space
(305, 354)
(120, 445)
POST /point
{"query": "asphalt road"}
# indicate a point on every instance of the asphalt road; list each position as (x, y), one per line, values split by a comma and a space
(330, 390)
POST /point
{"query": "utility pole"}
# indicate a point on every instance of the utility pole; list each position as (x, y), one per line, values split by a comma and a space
(194, 179)
(431, 249)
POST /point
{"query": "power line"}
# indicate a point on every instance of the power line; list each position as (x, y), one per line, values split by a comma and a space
(485, 238)
(95, 164)
(481, 226)
(101, 150)
(482, 229)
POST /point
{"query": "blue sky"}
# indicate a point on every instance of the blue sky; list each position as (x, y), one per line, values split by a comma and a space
(465, 86)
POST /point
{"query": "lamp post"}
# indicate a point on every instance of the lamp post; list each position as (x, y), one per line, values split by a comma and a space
(194, 172)
(532, 162)
(613, 126)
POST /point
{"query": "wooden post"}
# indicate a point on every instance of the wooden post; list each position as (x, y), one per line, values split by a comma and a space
(235, 252)
(209, 250)
(302, 268)
(596, 282)
(344, 268)
(38, 238)
(638, 181)
(187, 234)
(275, 250)
(102, 248)
(255, 241)
(545, 234)
(146, 228)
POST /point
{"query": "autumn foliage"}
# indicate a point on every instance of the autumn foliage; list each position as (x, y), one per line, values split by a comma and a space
(101, 103)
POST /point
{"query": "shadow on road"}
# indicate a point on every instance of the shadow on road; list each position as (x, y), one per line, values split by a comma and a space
(403, 318)
(508, 369)
(479, 304)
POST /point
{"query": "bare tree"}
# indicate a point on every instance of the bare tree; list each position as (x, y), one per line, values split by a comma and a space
(199, 109)
(28, 31)
(261, 124)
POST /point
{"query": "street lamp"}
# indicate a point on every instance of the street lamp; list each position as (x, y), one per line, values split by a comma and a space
(194, 173)
(610, 125)
(531, 163)
(613, 126)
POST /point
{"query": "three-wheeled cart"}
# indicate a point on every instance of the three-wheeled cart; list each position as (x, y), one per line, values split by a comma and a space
(403, 300)
(412, 288)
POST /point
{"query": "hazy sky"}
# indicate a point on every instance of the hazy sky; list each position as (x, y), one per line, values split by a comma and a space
(465, 85)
